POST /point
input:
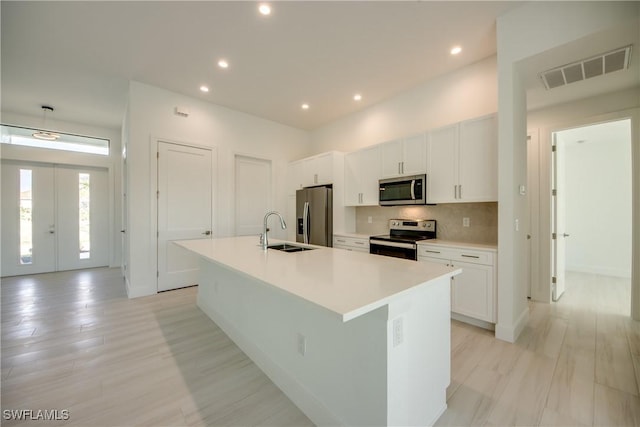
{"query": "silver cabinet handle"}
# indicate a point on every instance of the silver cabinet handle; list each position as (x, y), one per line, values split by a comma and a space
(359, 243)
(455, 191)
(565, 235)
(52, 229)
(207, 233)
(341, 241)
(460, 191)
(470, 256)
(432, 252)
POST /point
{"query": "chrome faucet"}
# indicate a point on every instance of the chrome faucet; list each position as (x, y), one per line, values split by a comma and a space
(264, 240)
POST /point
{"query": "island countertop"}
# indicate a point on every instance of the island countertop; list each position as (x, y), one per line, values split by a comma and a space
(349, 284)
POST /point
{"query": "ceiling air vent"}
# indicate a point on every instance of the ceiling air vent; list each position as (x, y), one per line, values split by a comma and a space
(605, 63)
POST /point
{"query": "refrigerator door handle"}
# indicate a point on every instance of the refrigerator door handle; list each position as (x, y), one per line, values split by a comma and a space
(305, 222)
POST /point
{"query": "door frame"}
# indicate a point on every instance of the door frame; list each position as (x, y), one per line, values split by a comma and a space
(153, 200)
(545, 206)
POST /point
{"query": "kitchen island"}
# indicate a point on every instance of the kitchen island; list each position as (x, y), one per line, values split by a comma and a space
(351, 338)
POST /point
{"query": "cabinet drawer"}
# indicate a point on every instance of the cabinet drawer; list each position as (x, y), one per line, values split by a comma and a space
(473, 256)
(466, 255)
(435, 252)
(351, 242)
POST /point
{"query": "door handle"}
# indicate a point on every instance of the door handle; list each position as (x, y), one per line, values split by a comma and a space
(207, 233)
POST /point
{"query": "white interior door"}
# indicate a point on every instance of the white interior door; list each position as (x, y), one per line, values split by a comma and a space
(184, 210)
(559, 219)
(28, 219)
(83, 217)
(252, 194)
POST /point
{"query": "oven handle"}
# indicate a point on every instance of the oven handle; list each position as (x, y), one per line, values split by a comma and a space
(393, 244)
(413, 189)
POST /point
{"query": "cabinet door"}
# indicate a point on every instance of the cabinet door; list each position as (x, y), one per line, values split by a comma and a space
(472, 291)
(294, 177)
(391, 158)
(414, 155)
(442, 173)
(322, 172)
(478, 160)
(352, 179)
(369, 168)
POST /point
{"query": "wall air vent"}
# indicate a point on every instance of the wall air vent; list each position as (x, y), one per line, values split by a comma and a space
(605, 63)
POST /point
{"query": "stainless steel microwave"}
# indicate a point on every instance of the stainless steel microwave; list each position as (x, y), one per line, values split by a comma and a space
(404, 190)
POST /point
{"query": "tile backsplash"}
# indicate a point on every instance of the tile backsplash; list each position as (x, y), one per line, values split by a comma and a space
(483, 220)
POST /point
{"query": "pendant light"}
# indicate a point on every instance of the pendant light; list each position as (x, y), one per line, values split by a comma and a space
(41, 134)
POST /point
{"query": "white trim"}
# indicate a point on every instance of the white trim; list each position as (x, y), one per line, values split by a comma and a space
(510, 333)
(602, 271)
(299, 395)
(475, 322)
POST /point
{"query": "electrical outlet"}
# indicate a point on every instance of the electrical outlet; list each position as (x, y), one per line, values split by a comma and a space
(370, 220)
(302, 344)
(398, 331)
(465, 222)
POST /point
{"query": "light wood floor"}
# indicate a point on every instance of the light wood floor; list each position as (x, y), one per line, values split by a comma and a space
(577, 363)
(73, 341)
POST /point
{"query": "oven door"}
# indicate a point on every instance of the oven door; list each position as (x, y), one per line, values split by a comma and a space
(393, 249)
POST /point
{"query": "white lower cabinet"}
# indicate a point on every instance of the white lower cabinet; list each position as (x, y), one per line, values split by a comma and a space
(350, 243)
(473, 292)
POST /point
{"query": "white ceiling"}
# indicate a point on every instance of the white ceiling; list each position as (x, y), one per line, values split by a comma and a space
(79, 56)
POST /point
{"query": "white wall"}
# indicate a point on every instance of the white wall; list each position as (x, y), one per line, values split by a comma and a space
(111, 162)
(151, 116)
(598, 204)
(464, 94)
(522, 33)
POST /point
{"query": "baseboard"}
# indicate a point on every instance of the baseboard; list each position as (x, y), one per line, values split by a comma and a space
(136, 292)
(475, 322)
(313, 408)
(437, 417)
(602, 271)
(510, 333)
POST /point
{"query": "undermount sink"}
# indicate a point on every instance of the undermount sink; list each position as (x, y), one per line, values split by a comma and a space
(286, 247)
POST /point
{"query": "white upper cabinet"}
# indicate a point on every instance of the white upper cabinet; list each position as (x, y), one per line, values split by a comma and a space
(316, 170)
(478, 170)
(405, 156)
(361, 174)
(442, 176)
(463, 162)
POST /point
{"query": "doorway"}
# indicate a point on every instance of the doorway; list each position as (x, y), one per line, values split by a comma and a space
(54, 218)
(184, 210)
(591, 204)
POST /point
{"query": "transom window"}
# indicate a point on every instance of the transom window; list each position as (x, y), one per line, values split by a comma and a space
(53, 140)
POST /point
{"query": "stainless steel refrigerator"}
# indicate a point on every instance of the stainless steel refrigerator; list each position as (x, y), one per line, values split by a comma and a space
(314, 216)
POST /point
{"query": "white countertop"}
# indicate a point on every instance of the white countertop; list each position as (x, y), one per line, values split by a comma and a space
(347, 283)
(459, 245)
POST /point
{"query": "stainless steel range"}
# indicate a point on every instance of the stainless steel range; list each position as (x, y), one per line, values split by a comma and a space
(401, 242)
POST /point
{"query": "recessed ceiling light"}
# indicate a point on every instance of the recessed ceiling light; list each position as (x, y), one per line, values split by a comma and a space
(305, 106)
(357, 97)
(204, 89)
(456, 50)
(223, 63)
(264, 9)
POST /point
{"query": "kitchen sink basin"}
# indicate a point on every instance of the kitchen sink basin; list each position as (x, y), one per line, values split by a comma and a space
(286, 247)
